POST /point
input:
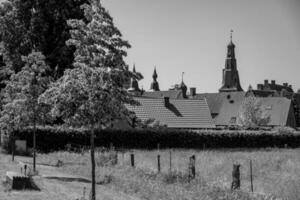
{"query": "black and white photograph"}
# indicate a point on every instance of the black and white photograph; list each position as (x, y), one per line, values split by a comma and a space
(149, 99)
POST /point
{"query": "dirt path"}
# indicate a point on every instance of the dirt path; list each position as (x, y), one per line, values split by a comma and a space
(53, 189)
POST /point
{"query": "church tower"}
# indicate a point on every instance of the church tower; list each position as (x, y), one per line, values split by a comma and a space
(154, 85)
(231, 80)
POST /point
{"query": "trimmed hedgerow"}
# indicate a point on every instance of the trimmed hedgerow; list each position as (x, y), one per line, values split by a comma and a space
(52, 139)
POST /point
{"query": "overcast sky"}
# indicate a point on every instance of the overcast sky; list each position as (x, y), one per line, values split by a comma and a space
(191, 36)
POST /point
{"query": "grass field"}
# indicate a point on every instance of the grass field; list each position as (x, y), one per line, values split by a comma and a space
(276, 173)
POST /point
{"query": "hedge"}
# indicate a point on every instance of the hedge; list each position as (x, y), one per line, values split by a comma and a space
(53, 139)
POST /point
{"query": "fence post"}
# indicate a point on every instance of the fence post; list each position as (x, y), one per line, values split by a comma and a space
(251, 176)
(132, 159)
(158, 163)
(192, 167)
(236, 182)
(170, 169)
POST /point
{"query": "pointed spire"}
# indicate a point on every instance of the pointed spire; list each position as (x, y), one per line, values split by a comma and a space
(154, 76)
(183, 87)
(133, 70)
(154, 85)
(250, 88)
(231, 81)
(231, 45)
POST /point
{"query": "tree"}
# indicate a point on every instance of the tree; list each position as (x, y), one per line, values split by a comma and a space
(150, 123)
(20, 97)
(92, 94)
(44, 30)
(252, 114)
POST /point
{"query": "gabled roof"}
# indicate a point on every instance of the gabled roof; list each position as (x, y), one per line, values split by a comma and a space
(172, 94)
(278, 108)
(215, 100)
(180, 113)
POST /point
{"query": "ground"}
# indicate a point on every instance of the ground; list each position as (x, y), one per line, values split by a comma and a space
(52, 189)
(276, 175)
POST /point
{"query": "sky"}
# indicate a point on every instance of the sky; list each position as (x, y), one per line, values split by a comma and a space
(191, 36)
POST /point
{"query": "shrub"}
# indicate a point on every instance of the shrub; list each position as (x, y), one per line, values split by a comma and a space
(53, 139)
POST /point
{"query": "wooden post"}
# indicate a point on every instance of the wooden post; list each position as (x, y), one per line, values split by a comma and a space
(132, 159)
(170, 169)
(25, 169)
(13, 147)
(236, 183)
(158, 163)
(192, 168)
(158, 158)
(251, 176)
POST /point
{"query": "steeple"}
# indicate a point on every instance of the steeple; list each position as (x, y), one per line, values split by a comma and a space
(183, 86)
(133, 69)
(154, 85)
(231, 80)
(134, 85)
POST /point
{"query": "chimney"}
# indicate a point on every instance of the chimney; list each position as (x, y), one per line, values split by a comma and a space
(192, 91)
(167, 101)
(266, 82)
(260, 87)
(285, 84)
(273, 82)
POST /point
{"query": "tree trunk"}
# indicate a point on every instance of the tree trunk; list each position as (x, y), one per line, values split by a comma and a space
(13, 147)
(34, 145)
(93, 190)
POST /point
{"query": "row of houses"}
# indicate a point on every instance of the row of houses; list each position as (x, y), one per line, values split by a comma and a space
(178, 108)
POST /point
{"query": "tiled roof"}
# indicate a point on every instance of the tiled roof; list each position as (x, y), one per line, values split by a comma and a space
(278, 108)
(181, 113)
(215, 100)
(279, 87)
(173, 94)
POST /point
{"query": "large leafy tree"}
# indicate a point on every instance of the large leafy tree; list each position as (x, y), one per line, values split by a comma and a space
(252, 114)
(20, 96)
(39, 25)
(92, 94)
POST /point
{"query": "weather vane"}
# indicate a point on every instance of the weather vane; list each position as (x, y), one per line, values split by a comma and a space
(231, 31)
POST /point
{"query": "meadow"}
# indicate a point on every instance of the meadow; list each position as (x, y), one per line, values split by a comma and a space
(276, 172)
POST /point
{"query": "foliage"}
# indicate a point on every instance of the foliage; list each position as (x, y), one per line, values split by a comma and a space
(150, 123)
(20, 105)
(92, 93)
(53, 139)
(252, 114)
(40, 25)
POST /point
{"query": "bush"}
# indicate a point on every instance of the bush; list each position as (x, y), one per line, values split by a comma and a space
(53, 139)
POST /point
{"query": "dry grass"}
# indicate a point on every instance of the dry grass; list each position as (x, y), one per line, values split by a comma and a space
(276, 173)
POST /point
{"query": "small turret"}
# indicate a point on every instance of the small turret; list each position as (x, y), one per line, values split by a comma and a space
(183, 87)
(134, 85)
(154, 85)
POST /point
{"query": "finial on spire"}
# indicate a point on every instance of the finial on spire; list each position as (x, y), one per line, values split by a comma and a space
(231, 31)
(182, 76)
